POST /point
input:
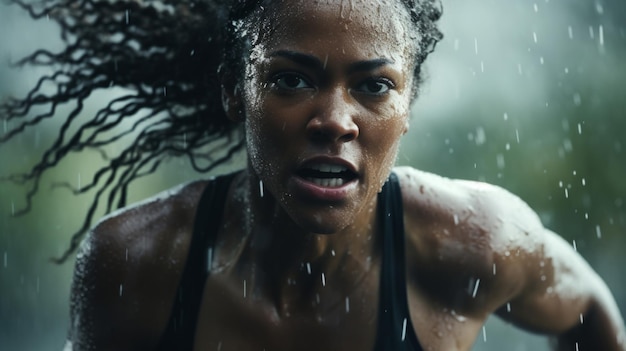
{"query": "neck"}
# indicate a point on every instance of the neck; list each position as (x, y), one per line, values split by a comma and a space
(279, 253)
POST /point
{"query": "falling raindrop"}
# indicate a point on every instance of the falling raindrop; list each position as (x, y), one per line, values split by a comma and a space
(476, 288)
(591, 32)
(508, 307)
(581, 318)
(570, 32)
(308, 267)
(244, 288)
(126, 254)
(126, 16)
(456, 219)
(476, 46)
(404, 329)
(599, 8)
(598, 234)
(323, 280)
(5, 259)
(535, 7)
(209, 263)
(500, 161)
(347, 305)
(577, 99)
(494, 269)
(580, 129)
(332, 252)
(261, 187)
(535, 37)
(484, 334)
(601, 34)
(574, 245)
(121, 289)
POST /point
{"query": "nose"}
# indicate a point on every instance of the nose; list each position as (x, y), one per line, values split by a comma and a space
(334, 118)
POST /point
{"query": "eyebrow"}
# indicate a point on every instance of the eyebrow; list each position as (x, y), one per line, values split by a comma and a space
(312, 61)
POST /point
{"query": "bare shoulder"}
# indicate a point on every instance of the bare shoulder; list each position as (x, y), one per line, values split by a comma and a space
(127, 271)
(469, 236)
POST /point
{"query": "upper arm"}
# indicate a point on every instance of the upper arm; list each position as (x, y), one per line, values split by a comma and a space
(104, 306)
(557, 290)
(126, 274)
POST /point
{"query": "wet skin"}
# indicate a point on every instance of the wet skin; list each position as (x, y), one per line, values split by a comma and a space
(325, 87)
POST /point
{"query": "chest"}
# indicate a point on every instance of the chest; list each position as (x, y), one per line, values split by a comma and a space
(233, 317)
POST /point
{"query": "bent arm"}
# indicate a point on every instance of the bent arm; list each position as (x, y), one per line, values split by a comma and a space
(563, 296)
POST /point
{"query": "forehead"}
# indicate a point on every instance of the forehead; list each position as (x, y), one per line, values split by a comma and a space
(371, 27)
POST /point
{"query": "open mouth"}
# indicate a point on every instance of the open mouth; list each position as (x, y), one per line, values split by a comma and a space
(327, 175)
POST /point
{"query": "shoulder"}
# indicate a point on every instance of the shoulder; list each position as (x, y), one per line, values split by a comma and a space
(471, 236)
(127, 270)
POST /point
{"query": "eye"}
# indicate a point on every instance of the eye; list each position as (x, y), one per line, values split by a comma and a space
(375, 86)
(290, 81)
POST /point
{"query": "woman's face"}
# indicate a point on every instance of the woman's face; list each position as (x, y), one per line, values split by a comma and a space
(326, 95)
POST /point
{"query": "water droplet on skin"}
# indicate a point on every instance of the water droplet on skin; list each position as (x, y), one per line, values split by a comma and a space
(458, 317)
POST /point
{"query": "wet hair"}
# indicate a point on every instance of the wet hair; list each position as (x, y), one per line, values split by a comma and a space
(165, 56)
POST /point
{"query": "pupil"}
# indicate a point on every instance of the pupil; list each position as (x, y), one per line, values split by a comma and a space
(292, 81)
(374, 87)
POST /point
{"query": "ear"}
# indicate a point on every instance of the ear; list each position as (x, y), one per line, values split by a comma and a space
(231, 95)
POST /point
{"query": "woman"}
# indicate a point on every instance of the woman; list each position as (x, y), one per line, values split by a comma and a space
(319, 243)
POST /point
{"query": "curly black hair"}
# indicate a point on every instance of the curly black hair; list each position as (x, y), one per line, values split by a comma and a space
(165, 55)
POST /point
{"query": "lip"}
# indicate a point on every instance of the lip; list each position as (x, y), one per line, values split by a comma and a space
(303, 187)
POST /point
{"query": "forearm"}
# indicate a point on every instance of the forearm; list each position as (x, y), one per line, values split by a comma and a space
(599, 330)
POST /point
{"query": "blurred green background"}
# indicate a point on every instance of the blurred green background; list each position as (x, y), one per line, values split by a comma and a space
(527, 95)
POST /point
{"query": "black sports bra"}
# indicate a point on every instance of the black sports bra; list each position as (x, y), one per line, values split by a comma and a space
(394, 332)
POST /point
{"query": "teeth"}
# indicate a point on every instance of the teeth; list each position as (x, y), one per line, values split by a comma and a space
(329, 183)
(326, 167)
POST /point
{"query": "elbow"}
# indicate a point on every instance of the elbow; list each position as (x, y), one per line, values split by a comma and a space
(597, 329)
